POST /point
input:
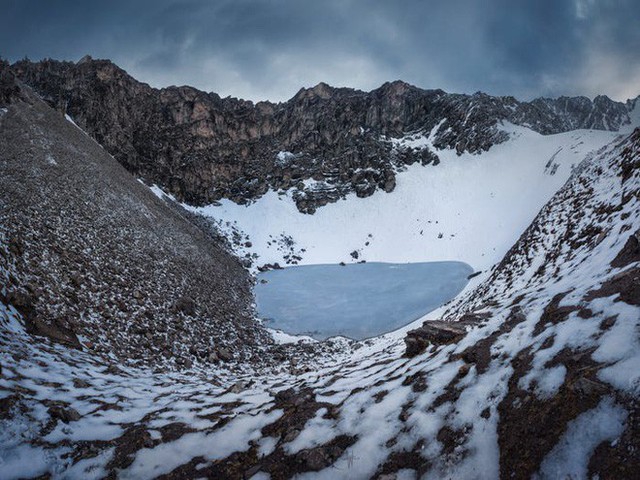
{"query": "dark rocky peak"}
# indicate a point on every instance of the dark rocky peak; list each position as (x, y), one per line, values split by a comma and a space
(396, 88)
(9, 88)
(553, 115)
(480, 95)
(509, 101)
(322, 91)
(602, 100)
(86, 59)
(632, 103)
(266, 108)
(469, 122)
(87, 68)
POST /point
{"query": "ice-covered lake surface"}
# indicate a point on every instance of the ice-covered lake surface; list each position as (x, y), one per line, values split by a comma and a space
(356, 300)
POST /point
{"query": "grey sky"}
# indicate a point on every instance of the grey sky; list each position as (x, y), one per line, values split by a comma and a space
(259, 49)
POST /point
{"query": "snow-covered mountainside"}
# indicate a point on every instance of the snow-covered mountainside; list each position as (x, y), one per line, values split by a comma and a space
(470, 208)
(534, 374)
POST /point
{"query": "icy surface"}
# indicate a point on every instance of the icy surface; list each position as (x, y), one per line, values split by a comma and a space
(356, 301)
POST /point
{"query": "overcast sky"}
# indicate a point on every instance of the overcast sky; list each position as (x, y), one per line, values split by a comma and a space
(259, 49)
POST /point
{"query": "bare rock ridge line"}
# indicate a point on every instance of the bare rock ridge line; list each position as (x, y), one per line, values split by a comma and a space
(202, 148)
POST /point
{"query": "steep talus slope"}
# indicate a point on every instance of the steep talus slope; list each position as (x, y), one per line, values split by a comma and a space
(539, 377)
(96, 261)
(572, 337)
(201, 148)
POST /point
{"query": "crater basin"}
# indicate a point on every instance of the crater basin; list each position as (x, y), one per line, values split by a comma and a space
(356, 300)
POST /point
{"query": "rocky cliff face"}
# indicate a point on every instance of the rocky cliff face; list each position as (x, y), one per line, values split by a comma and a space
(201, 147)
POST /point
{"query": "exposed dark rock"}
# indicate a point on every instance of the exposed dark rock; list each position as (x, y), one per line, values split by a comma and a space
(269, 266)
(553, 313)
(186, 305)
(432, 332)
(224, 354)
(9, 89)
(64, 413)
(525, 417)
(619, 459)
(201, 147)
(127, 445)
(411, 459)
(7, 406)
(626, 285)
(54, 331)
(630, 252)
(79, 383)
(450, 439)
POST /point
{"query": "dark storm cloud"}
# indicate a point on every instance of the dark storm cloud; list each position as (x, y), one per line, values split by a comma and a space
(268, 49)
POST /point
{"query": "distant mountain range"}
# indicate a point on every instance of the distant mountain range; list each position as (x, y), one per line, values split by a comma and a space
(201, 147)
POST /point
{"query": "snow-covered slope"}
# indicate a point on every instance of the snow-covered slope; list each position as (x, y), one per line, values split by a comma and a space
(469, 208)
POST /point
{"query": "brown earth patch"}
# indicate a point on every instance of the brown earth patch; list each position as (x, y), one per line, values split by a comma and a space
(529, 427)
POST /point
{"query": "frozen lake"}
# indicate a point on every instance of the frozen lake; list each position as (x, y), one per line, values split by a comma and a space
(357, 300)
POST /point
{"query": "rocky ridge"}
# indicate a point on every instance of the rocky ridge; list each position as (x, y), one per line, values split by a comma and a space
(324, 143)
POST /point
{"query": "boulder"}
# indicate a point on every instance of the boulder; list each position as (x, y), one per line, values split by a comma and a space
(64, 413)
(432, 332)
(224, 354)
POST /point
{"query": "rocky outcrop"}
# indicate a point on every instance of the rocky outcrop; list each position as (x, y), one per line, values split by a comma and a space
(323, 143)
(432, 332)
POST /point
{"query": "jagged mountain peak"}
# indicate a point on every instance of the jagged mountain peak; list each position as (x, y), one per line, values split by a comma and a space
(602, 99)
(86, 59)
(323, 91)
(396, 87)
(227, 148)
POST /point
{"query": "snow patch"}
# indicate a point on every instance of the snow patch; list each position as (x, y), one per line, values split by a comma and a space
(469, 208)
(570, 457)
(284, 158)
